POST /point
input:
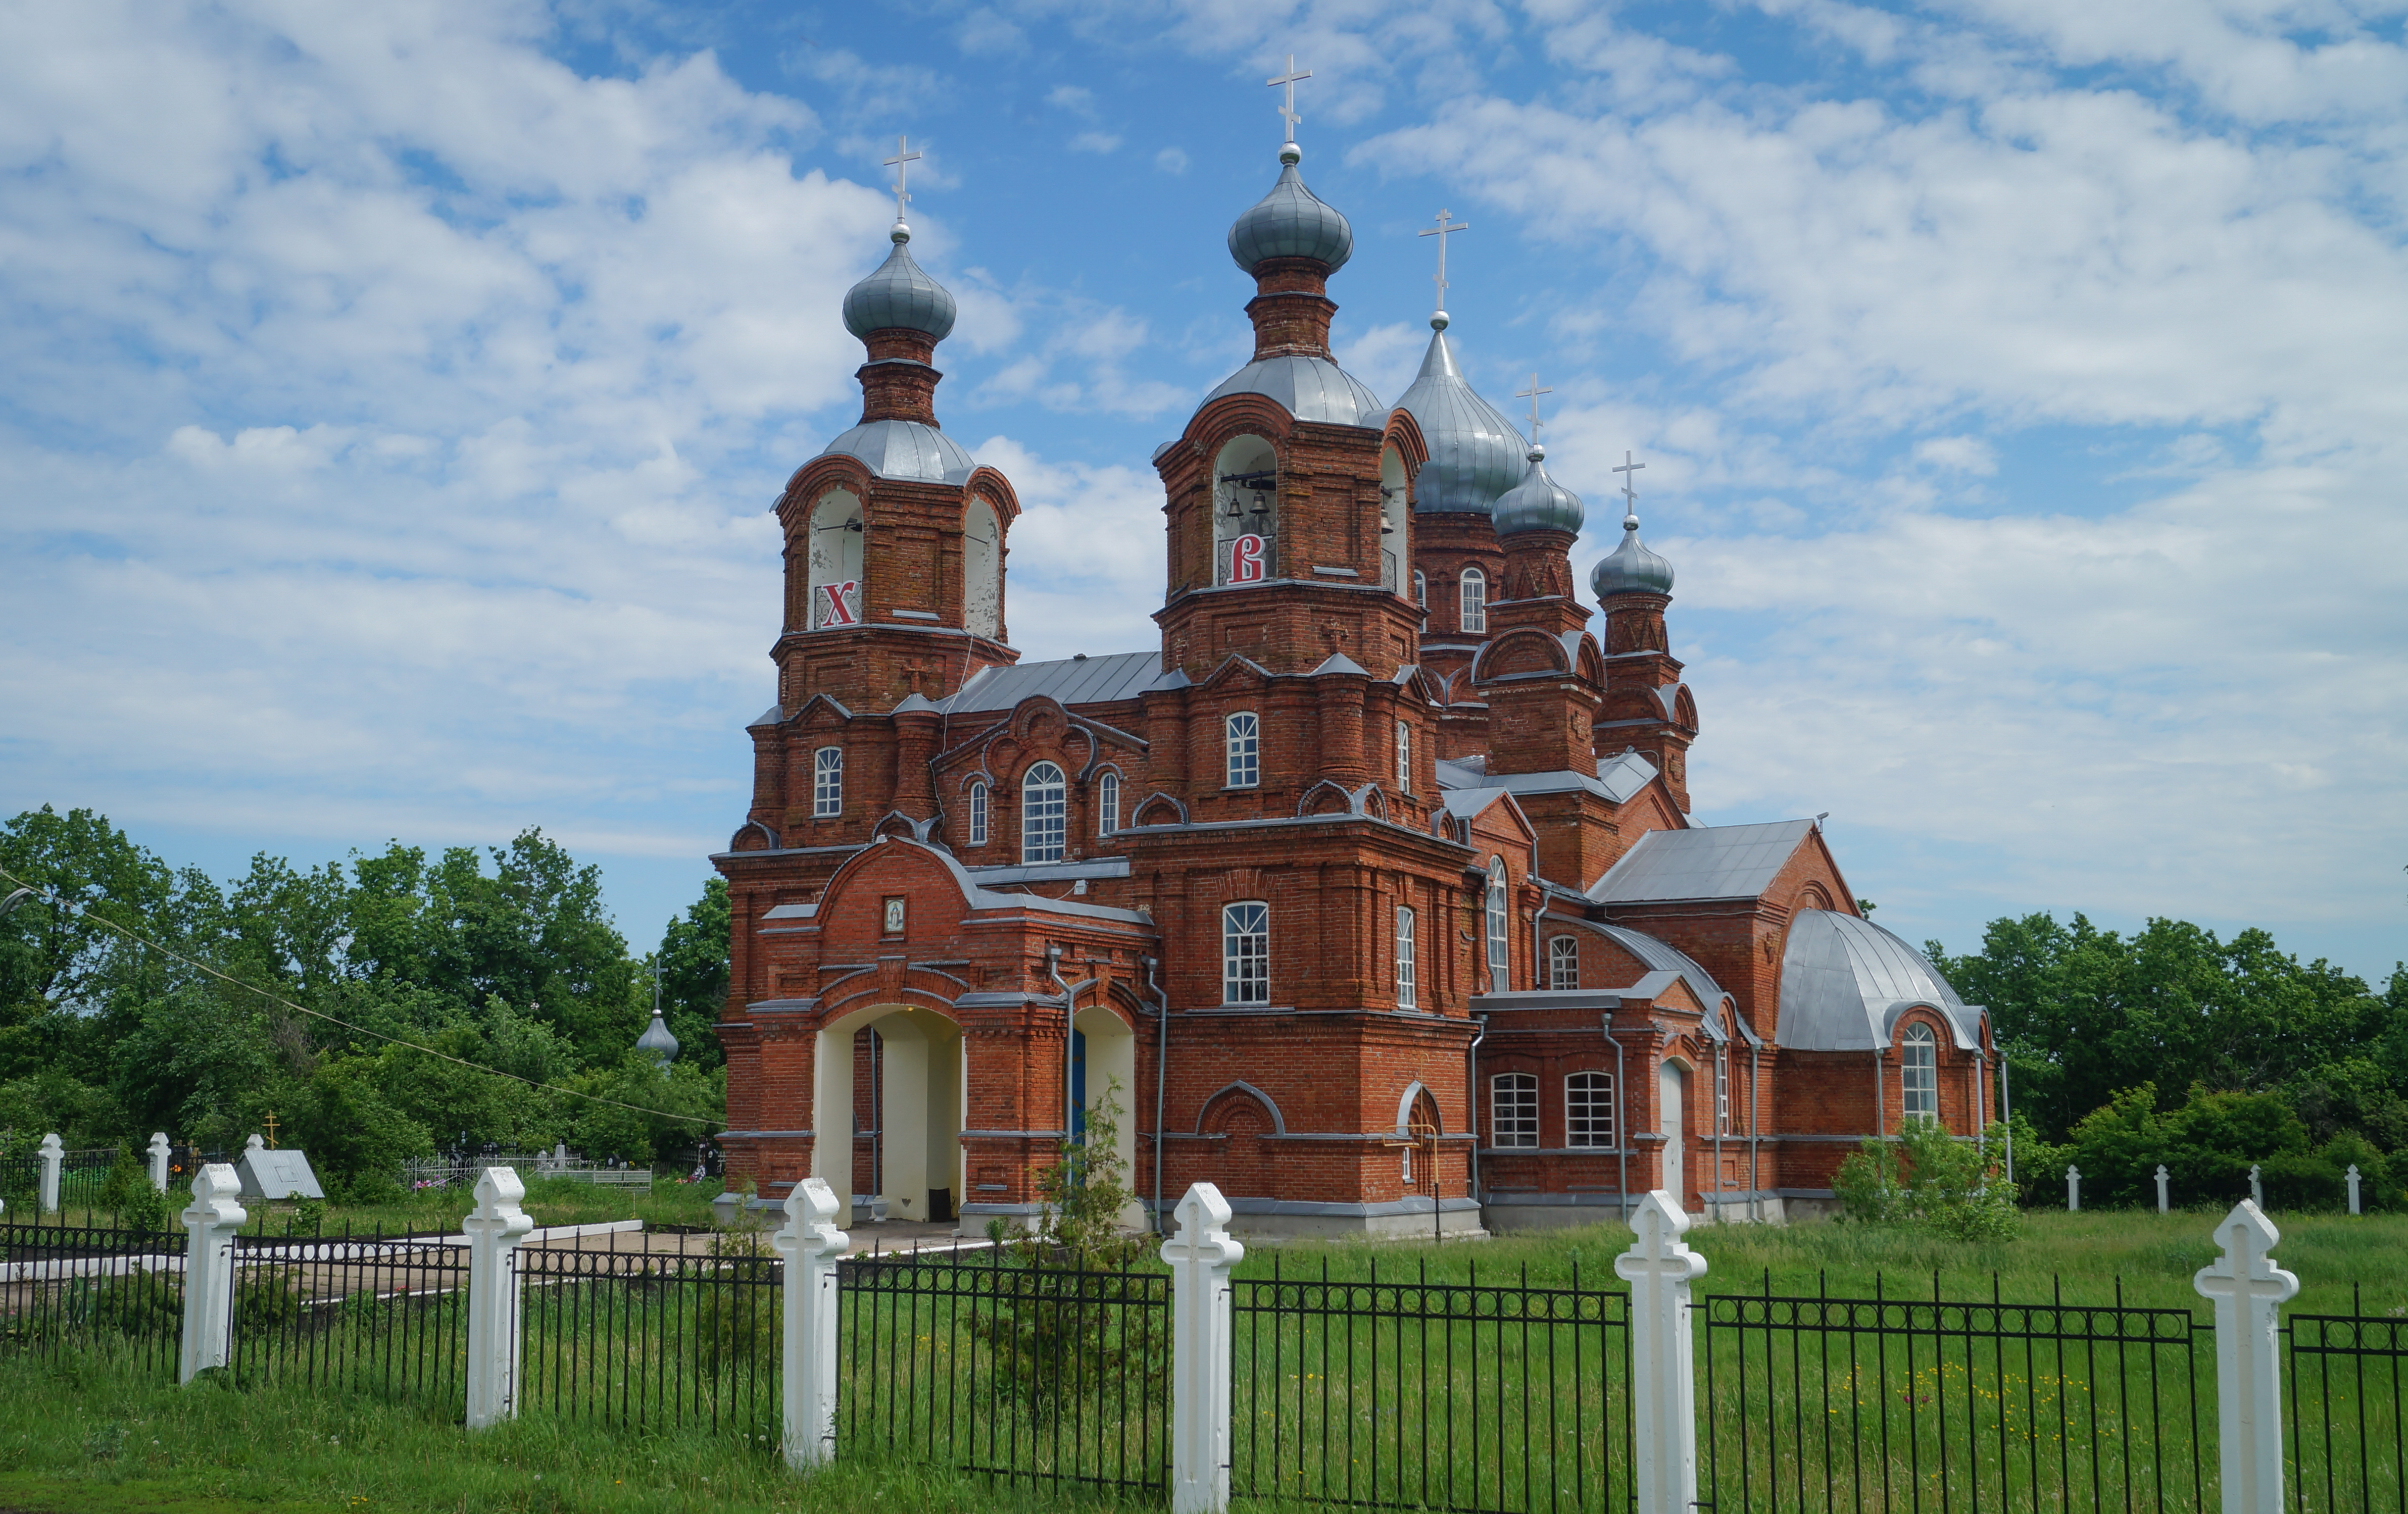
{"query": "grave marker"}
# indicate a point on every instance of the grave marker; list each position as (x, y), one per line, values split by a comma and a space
(276, 1174)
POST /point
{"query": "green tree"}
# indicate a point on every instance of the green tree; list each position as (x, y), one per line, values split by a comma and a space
(694, 963)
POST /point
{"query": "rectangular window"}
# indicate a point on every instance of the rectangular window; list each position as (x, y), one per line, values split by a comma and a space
(827, 782)
(1407, 990)
(1563, 962)
(1246, 953)
(1107, 804)
(1404, 757)
(1514, 1110)
(1245, 751)
(1588, 1109)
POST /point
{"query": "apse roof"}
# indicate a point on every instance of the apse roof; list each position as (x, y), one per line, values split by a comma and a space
(1122, 675)
(1703, 862)
(1844, 981)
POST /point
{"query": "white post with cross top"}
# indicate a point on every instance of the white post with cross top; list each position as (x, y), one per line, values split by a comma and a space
(2352, 1175)
(1286, 84)
(811, 1243)
(1200, 1256)
(1446, 227)
(53, 1155)
(496, 1227)
(209, 1224)
(2162, 1177)
(160, 1152)
(2073, 1189)
(1659, 1268)
(2257, 1190)
(2246, 1286)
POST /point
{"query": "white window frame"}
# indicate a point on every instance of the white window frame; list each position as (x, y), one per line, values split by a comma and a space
(827, 783)
(1421, 589)
(1590, 1112)
(1044, 813)
(1242, 733)
(1496, 926)
(1246, 952)
(1563, 962)
(1471, 602)
(1513, 1111)
(1918, 1073)
(1722, 1089)
(1107, 803)
(1408, 959)
(977, 802)
(1404, 756)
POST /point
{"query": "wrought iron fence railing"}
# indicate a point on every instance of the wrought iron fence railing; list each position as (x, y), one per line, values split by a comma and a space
(73, 1290)
(1045, 1373)
(1402, 1393)
(2346, 1410)
(368, 1313)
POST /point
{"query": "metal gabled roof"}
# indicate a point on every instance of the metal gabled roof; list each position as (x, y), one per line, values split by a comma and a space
(1122, 675)
(1844, 981)
(1703, 862)
(1625, 774)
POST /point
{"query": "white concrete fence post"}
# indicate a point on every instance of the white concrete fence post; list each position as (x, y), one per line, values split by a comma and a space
(1659, 1268)
(496, 1227)
(209, 1271)
(1201, 1255)
(2073, 1189)
(2161, 1188)
(53, 1155)
(2352, 1175)
(2257, 1194)
(159, 1154)
(810, 1243)
(2245, 1286)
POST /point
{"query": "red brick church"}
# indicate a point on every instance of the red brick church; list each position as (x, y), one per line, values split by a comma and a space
(1372, 890)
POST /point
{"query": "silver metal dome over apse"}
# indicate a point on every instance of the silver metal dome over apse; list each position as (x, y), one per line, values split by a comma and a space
(1309, 388)
(1291, 222)
(1844, 981)
(1538, 503)
(899, 293)
(1474, 451)
(905, 450)
(1630, 568)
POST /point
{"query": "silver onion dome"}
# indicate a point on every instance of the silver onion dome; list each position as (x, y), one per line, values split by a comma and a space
(1291, 222)
(1538, 503)
(1630, 568)
(900, 294)
(657, 1042)
(1474, 451)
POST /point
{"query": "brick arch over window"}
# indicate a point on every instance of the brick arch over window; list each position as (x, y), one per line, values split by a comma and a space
(1418, 1103)
(1232, 1096)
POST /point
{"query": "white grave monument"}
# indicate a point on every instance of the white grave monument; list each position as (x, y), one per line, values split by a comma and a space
(276, 1174)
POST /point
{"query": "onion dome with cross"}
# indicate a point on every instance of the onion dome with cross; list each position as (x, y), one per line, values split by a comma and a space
(1291, 222)
(1538, 503)
(1474, 449)
(899, 297)
(1630, 568)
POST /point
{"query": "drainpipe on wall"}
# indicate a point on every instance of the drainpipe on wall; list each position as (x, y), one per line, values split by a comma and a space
(2007, 1114)
(1621, 1121)
(1472, 1108)
(1718, 1083)
(1070, 1028)
(1755, 1129)
(1161, 1066)
(1881, 1113)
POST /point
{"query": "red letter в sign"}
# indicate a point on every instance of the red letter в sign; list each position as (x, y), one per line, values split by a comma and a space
(838, 611)
(1246, 559)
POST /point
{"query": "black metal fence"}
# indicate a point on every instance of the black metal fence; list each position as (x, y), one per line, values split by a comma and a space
(1889, 1403)
(2346, 1418)
(369, 1313)
(74, 1290)
(1400, 1392)
(1047, 1374)
(81, 1176)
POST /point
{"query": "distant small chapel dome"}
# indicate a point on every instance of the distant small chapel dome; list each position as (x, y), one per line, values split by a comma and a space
(657, 1042)
(1630, 568)
(1538, 503)
(1474, 451)
(1291, 222)
(900, 294)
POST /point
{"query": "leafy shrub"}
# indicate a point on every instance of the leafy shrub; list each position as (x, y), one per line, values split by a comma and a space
(1931, 1180)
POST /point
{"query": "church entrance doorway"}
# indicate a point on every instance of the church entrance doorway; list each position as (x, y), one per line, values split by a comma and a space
(1103, 1063)
(1673, 1086)
(912, 1112)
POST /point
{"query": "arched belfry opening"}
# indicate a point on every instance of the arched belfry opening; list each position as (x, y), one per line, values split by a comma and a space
(983, 569)
(1396, 520)
(1246, 512)
(836, 560)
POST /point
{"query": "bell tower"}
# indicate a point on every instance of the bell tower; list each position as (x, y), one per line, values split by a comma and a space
(1647, 707)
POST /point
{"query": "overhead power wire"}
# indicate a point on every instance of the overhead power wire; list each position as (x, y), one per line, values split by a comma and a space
(76, 907)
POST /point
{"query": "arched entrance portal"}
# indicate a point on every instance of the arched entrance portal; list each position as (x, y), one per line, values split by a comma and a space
(918, 1109)
(1103, 1052)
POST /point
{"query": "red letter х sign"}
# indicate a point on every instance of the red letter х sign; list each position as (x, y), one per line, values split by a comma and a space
(838, 611)
(1246, 559)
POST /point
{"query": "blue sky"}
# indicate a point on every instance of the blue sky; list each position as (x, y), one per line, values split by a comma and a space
(395, 395)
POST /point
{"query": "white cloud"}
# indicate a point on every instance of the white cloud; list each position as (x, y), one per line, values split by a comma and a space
(1095, 142)
(1171, 160)
(1959, 454)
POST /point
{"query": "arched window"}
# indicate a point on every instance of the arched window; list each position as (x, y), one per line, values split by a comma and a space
(1563, 962)
(1421, 589)
(981, 569)
(1514, 1109)
(1396, 547)
(1245, 734)
(835, 572)
(1107, 803)
(827, 781)
(1918, 1073)
(1404, 757)
(1722, 1089)
(1475, 602)
(1588, 1109)
(1500, 964)
(1246, 953)
(1408, 979)
(1041, 813)
(978, 814)
(1245, 512)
